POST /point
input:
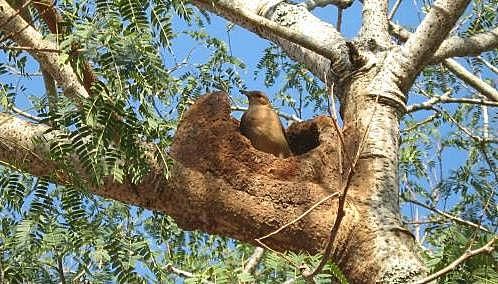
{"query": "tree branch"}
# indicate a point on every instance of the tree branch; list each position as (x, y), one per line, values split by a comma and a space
(489, 65)
(403, 66)
(469, 78)
(254, 260)
(469, 46)
(25, 114)
(51, 90)
(487, 248)
(375, 24)
(432, 31)
(394, 9)
(60, 269)
(312, 4)
(183, 273)
(25, 35)
(429, 104)
(420, 123)
(449, 216)
(322, 52)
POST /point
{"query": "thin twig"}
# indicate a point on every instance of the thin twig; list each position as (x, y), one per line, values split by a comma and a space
(2, 276)
(463, 128)
(418, 124)
(254, 260)
(60, 269)
(422, 222)
(445, 99)
(489, 65)
(25, 114)
(298, 218)
(449, 216)
(339, 18)
(283, 256)
(394, 9)
(51, 90)
(171, 268)
(184, 62)
(487, 248)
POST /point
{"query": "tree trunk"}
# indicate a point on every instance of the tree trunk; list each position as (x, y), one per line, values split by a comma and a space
(382, 240)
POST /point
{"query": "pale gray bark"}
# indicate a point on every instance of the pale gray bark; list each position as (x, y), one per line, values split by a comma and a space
(254, 260)
(482, 87)
(455, 46)
(469, 46)
(471, 79)
(325, 52)
(393, 245)
(403, 65)
(375, 24)
(26, 36)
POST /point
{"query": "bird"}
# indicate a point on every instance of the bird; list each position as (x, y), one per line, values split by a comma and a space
(261, 124)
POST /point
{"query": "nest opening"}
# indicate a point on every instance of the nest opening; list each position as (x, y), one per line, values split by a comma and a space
(303, 137)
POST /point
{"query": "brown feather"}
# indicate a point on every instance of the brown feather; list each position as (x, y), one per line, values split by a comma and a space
(261, 124)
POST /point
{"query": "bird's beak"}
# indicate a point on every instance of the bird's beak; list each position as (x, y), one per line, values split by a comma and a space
(246, 93)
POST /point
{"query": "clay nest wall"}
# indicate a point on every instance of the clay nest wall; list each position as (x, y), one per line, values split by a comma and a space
(276, 191)
(208, 140)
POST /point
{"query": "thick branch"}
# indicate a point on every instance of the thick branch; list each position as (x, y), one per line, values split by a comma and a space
(466, 76)
(471, 79)
(402, 66)
(430, 33)
(25, 35)
(293, 28)
(454, 46)
(468, 46)
(375, 22)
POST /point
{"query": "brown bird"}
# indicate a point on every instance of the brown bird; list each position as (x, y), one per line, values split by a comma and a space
(260, 123)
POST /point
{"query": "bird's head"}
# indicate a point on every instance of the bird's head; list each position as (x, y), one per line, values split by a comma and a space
(256, 97)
